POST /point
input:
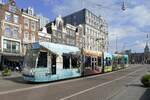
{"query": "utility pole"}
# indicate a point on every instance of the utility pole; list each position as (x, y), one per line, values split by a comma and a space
(116, 43)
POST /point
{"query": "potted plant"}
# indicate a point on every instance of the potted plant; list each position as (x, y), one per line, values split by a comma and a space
(145, 80)
(6, 72)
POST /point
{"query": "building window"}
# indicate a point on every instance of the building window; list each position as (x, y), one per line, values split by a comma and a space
(15, 47)
(60, 26)
(33, 26)
(26, 23)
(16, 19)
(63, 36)
(88, 13)
(7, 46)
(7, 31)
(11, 47)
(88, 30)
(54, 33)
(59, 35)
(7, 16)
(16, 32)
(33, 37)
(26, 36)
(74, 17)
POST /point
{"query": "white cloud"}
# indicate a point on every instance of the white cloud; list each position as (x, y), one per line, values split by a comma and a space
(128, 25)
(139, 15)
(123, 32)
(138, 46)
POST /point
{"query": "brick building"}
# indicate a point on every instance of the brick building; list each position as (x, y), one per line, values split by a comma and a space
(17, 28)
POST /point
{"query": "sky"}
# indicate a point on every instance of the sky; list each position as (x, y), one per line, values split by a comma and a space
(129, 28)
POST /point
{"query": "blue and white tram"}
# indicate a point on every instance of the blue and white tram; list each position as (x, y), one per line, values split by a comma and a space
(46, 61)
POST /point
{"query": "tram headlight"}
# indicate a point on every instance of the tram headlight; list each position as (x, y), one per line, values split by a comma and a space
(32, 72)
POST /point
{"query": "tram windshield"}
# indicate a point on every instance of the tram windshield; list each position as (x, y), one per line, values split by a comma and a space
(108, 61)
(30, 58)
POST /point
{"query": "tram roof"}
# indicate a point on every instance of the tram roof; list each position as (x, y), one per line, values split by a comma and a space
(106, 54)
(59, 49)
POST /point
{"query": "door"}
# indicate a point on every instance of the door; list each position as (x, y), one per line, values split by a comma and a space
(53, 64)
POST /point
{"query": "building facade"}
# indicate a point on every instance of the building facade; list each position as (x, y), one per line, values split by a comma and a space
(44, 36)
(65, 33)
(10, 32)
(140, 58)
(30, 27)
(95, 29)
(17, 28)
(43, 20)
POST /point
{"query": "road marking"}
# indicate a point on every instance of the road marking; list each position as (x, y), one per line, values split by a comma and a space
(57, 83)
(110, 72)
(94, 87)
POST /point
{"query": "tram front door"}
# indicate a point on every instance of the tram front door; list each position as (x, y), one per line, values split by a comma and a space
(53, 64)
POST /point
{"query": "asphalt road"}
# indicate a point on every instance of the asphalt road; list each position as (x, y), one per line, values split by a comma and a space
(99, 87)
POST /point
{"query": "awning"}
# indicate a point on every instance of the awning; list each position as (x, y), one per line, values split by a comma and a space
(92, 53)
(59, 49)
(13, 58)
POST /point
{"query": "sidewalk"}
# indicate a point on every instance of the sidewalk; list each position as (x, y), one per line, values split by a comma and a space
(13, 74)
(133, 91)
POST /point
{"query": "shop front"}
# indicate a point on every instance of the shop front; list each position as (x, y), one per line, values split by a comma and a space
(11, 61)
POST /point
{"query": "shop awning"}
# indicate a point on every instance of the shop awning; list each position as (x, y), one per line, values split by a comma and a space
(92, 53)
(59, 49)
(13, 57)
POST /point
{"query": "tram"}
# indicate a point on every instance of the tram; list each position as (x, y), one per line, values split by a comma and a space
(107, 62)
(46, 62)
(126, 60)
(120, 61)
(92, 62)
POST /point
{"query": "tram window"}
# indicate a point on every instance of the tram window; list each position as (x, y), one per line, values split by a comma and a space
(120, 61)
(42, 60)
(87, 61)
(108, 61)
(30, 58)
(66, 62)
(125, 60)
(99, 61)
(74, 62)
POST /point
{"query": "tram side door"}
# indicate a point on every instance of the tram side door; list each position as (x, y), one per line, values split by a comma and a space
(53, 66)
